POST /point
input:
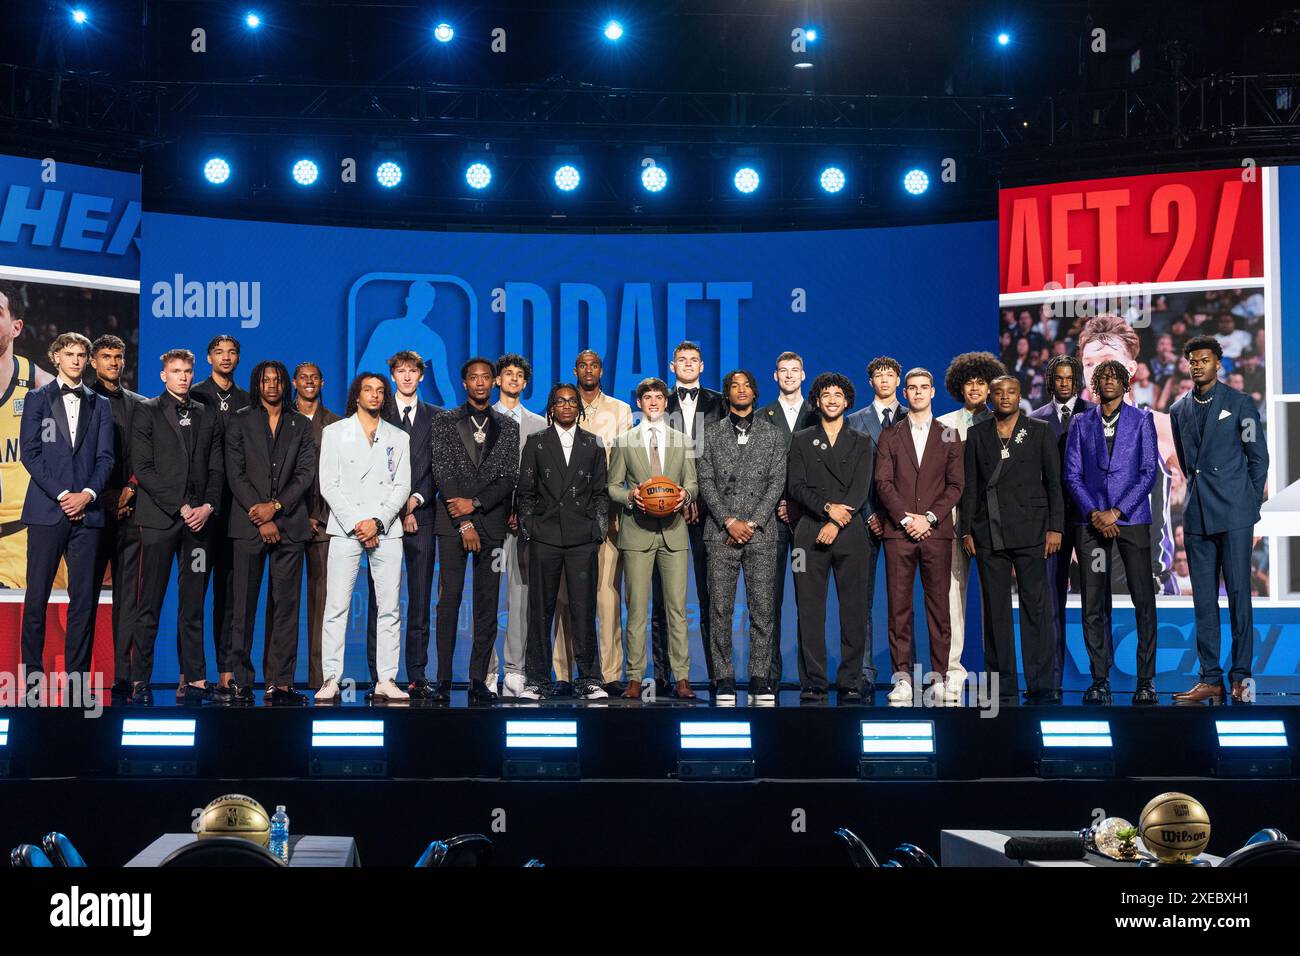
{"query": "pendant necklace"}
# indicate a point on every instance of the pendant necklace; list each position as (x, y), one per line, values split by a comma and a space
(225, 399)
(1110, 423)
(480, 429)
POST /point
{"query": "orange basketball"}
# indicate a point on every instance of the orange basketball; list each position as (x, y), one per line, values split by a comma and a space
(659, 495)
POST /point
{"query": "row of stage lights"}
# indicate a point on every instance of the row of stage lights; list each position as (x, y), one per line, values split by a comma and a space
(217, 170)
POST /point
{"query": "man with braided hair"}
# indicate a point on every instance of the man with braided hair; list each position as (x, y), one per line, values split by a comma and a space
(1111, 462)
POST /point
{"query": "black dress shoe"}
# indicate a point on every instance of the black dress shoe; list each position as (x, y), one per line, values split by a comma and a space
(198, 695)
(121, 690)
(1098, 693)
(850, 695)
(441, 692)
(614, 688)
(421, 690)
(281, 697)
(223, 693)
(562, 688)
(1145, 695)
(141, 695)
(1048, 696)
(480, 693)
(812, 693)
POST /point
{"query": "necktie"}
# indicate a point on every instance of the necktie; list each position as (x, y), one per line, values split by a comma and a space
(406, 418)
(685, 393)
(887, 418)
(1065, 414)
(656, 464)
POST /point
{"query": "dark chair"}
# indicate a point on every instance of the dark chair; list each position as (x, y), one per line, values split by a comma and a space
(468, 849)
(28, 854)
(860, 855)
(1267, 853)
(221, 852)
(909, 855)
(60, 850)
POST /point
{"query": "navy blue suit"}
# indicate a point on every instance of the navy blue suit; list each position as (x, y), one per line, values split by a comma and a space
(1058, 565)
(59, 464)
(1225, 459)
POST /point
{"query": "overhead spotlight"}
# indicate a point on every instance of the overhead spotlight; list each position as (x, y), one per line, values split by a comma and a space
(831, 179)
(613, 31)
(746, 179)
(810, 34)
(216, 170)
(916, 181)
(478, 175)
(388, 174)
(443, 33)
(567, 178)
(252, 20)
(1004, 38)
(654, 179)
(305, 172)
(79, 16)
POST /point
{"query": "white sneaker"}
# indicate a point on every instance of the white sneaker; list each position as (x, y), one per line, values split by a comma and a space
(953, 686)
(491, 682)
(593, 691)
(530, 692)
(902, 691)
(389, 690)
(328, 690)
(513, 685)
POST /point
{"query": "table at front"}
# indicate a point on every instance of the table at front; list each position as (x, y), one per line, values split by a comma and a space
(984, 848)
(305, 850)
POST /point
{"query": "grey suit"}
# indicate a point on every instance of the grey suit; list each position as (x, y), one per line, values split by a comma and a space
(745, 482)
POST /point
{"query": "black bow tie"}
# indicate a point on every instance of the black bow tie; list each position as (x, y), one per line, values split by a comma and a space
(71, 390)
(184, 406)
(685, 393)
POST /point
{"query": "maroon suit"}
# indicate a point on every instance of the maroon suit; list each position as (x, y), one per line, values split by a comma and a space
(903, 485)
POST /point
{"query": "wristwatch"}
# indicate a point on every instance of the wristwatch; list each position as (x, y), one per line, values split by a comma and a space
(276, 503)
(380, 525)
(477, 505)
(905, 521)
(929, 516)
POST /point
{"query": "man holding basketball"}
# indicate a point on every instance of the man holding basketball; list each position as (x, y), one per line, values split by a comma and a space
(652, 531)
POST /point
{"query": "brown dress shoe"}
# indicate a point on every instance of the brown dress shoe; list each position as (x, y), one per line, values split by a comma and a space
(1239, 693)
(1202, 692)
(683, 690)
(633, 690)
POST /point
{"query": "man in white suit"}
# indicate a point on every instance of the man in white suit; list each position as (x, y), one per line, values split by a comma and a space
(514, 372)
(365, 478)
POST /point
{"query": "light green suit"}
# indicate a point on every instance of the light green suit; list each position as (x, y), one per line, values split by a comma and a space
(647, 542)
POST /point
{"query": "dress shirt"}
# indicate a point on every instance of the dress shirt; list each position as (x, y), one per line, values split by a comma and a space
(402, 405)
(72, 408)
(791, 411)
(920, 435)
(516, 412)
(1066, 404)
(567, 436)
(880, 411)
(741, 423)
(688, 405)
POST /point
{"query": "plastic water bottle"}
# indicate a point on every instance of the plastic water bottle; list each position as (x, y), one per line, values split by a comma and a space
(280, 834)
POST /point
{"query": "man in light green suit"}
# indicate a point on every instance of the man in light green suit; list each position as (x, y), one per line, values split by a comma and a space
(649, 450)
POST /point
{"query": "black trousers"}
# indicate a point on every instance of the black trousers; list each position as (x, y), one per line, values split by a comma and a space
(1058, 585)
(1096, 555)
(280, 658)
(1035, 618)
(784, 545)
(418, 551)
(119, 548)
(46, 546)
(580, 566)
(659, 617)
(846, 558)
(218, 567)
(488, 564)
(159, 550)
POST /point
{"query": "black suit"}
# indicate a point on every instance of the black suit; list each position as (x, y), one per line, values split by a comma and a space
(172, 471)
(221, 553)
(806, 418)
(119, 541)
(464, 468)
(1058, 565)
(418, 546)
(709, 407)
(820, 473)
(563, 510)
(1008, 506)
(261, 467)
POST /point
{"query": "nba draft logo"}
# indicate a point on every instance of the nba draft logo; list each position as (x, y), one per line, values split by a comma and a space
(433, 315)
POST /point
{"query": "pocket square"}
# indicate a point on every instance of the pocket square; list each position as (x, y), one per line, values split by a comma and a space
(1224, 414)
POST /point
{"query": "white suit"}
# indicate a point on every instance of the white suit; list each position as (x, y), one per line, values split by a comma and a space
(359, 481)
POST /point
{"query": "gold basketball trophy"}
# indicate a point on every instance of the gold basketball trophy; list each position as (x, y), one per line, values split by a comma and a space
(1175, 828)
(235, 815)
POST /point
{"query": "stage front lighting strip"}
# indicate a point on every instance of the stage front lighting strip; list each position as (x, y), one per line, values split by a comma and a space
(157, 732)
(1251, 733)
(347, 733)
(898, 737)
(4, 731)
(542, 734)
(716, 735)
(1076, 733)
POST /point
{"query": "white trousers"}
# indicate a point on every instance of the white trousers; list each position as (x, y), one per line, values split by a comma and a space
(340, 578)
(957, 608)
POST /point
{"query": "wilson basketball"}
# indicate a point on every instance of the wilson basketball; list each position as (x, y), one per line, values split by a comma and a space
(235, 815)
(659, 495)
(1175, 827)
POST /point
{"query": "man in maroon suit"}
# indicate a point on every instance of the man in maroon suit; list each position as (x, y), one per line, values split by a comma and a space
(919, 480)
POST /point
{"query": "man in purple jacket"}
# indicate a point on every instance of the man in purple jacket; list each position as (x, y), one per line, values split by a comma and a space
(1111, 462)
